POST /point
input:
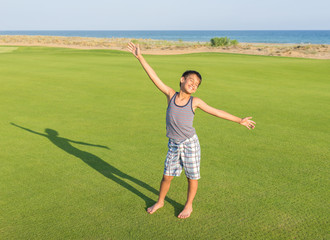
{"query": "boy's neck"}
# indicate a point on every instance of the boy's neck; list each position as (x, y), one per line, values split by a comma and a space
(183, 95)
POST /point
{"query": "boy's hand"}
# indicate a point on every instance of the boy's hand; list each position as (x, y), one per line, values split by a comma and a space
(247, 123)
(135, 49)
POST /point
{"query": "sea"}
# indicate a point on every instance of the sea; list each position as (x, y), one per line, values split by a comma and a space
(248, 36)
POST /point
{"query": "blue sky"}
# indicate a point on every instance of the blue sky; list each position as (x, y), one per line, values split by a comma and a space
(164, 15)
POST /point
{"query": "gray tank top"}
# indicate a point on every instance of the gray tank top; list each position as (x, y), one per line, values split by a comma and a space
(179, 120)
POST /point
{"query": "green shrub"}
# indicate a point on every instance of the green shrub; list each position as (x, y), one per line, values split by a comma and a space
(222, 41)
(234, 42)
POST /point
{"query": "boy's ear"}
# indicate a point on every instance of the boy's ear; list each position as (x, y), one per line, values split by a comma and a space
(182, 79)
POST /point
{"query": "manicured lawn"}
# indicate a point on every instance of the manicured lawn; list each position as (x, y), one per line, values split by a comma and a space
(83, 144)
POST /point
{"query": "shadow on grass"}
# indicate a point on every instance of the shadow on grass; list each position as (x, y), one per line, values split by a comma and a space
(101, 166)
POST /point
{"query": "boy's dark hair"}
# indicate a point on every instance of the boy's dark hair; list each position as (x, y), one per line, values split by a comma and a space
(189, 72)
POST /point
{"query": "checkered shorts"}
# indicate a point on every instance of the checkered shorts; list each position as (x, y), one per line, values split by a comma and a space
(186, 155)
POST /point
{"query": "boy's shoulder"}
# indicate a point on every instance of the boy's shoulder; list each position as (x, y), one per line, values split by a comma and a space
(196, 102)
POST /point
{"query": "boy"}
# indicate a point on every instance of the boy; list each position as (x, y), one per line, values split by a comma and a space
(184, 149)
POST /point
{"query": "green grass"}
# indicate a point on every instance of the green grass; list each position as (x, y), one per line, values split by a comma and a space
(95, 178)
(7, 49)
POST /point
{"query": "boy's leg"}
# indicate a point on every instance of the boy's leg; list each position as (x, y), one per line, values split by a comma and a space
(164, 187)
(192, 190)
(191, 163)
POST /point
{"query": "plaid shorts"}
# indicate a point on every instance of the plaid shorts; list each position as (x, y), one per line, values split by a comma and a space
(186, 155)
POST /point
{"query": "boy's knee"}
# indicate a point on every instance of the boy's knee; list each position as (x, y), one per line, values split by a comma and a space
(192, 180)
(167, 178)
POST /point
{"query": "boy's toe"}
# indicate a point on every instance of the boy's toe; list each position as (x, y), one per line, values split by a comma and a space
(185, 213)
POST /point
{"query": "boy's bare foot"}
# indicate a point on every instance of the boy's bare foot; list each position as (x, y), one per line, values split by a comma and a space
(186, 212)
(155, 207)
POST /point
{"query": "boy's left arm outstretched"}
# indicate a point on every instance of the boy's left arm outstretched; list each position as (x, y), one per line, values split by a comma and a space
(199, 103)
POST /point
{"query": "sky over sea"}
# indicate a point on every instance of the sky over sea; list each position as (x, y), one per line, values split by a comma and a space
(165, 15)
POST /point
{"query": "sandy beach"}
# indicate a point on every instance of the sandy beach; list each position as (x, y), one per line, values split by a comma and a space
(162, 47)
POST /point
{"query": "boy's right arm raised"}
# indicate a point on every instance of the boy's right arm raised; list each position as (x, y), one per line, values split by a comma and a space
(151, 73)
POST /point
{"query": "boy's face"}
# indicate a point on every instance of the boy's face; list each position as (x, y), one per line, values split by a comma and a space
(190, 83)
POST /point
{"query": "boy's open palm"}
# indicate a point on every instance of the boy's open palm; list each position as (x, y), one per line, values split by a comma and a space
(135, 49)
(248, 123)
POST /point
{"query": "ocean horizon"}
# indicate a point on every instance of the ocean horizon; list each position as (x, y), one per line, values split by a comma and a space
(247, 36)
